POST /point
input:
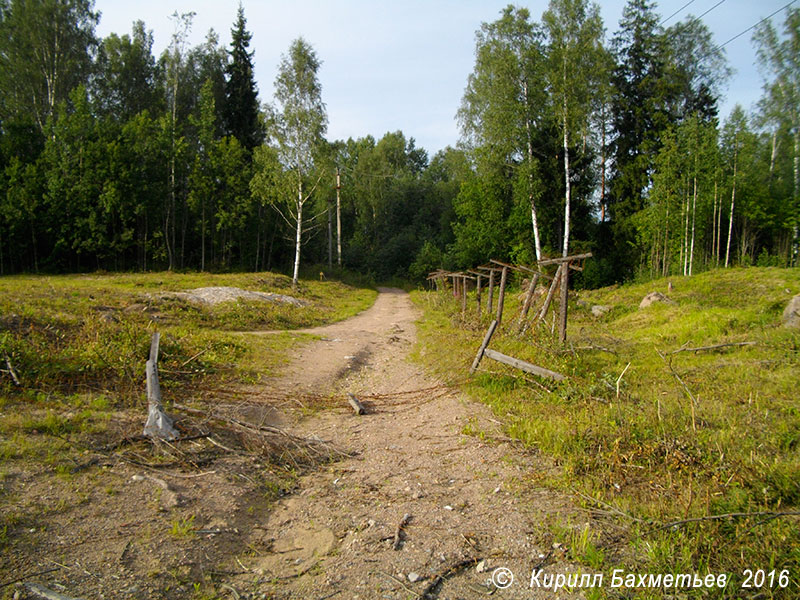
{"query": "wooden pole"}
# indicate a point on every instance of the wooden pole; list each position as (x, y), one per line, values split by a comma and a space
(550, 292)
(528, 299)
(464, 296)
(478, 295)
(501, 295)
(491, 291)
(486, 339)
(155, 341)
(562, 320)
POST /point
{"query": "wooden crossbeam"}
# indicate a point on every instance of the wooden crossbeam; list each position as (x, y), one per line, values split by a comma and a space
(563, 259)
(522, 365)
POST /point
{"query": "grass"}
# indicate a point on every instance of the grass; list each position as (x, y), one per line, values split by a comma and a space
(680, 437)
(71, 333)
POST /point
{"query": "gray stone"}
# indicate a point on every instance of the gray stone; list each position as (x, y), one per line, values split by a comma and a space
(654, 297)
(598, 310)
(791, 314)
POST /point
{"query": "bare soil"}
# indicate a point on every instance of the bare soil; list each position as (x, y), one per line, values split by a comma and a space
(215, 526)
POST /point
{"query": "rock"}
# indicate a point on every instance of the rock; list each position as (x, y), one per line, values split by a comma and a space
(214, 295)
(108, 317)
(598, 310)
(653, 297)
(481, 566)
(413, 577)
(791, 314)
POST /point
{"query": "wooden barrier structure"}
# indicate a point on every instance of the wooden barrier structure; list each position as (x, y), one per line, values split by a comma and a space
(559, 281)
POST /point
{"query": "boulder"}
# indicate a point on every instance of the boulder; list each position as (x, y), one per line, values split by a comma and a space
(598, 310)
(791, 314)
(214, 295)
(653, 297)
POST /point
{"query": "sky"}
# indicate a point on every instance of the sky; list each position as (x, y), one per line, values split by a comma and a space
(391, 65)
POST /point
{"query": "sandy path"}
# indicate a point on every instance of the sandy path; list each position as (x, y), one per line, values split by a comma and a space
(467, 498)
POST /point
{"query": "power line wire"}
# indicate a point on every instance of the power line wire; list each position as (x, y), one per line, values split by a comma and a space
(738, 35)
(709, 10)
(676, 12)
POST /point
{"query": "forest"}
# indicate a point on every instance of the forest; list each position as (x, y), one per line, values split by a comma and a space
(112, 158)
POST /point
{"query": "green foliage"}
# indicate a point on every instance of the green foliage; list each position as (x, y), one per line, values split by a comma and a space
(45, 52)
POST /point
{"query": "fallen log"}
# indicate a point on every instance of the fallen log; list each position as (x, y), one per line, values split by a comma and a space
(714, 347)
(522, 365)
(10, 371)
(42, 592)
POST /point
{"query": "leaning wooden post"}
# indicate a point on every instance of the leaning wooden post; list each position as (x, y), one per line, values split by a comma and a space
(486, 339)
(543, 313)
(478, 295)
(501, 295)
(491, 291)
(528, 299)
(562, 320)
(159, 424)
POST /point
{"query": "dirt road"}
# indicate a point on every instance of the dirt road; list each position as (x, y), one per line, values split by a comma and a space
(467, 505)
(426, 498)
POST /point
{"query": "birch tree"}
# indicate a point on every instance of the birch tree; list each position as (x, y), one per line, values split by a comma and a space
(46, 50)
(505, 97)
(301, 124)
(780, 105)
(574, 32)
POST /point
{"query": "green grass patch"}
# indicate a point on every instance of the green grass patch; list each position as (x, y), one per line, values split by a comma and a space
(77, 332)
(681, 436)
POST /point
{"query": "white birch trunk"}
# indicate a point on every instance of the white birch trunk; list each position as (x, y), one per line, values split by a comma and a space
(298, 235)
(686, 231)
(796, 193)
(565, 251)
(714, 221)
(694, 214)
(733, 200)
(534, 220)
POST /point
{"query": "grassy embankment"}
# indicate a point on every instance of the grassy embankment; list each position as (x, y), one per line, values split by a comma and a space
(77, 345)
(681, 439)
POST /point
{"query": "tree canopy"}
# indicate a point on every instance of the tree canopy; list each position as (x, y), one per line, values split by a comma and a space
(113, 158)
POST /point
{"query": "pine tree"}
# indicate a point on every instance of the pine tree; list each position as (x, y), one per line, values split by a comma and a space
(638, 106)
(241, 107)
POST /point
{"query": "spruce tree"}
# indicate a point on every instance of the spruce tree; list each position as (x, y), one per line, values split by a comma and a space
(241, 106)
